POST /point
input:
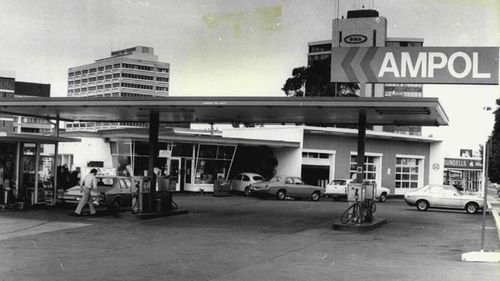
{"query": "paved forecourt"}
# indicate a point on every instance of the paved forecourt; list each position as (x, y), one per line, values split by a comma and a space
(238, 238)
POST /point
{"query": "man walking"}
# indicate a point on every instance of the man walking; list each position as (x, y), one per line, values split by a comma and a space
(88, 183)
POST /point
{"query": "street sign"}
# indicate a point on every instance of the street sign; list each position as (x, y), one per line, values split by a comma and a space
(426, 65)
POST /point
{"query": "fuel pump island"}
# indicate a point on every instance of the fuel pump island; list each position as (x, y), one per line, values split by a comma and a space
(158, 202)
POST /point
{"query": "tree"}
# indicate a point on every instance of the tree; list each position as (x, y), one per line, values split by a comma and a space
(494, 158)
(314, 81)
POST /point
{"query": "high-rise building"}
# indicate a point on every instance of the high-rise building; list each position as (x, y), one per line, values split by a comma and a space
(10, 88)
(131, 72)
(364, 28)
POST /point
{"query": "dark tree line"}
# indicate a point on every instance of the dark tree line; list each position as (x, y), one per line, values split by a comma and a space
(494, 142)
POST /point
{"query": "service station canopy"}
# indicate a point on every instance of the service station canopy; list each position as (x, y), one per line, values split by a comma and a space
(318, 110)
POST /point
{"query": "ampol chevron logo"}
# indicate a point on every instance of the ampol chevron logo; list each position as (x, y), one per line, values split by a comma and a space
(431, 65)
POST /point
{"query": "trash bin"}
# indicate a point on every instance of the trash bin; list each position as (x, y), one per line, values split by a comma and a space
(221, 188)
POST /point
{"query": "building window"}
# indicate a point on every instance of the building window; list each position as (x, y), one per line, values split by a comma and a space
(407, 171)
(116, 75)
(101, 68)
(139, 67)
(116, 65)
(164, 70)
(100, 78)
(370, 168)
(163, 89)
(136, 86)
(109, 67)
(315, 155)
(71, 74)
(162, 79)
(85, 71)
(109, 76)
(84, 80)
(92, 79)
(320, 48)
(92, 70)
(78, 72)
(135, 76)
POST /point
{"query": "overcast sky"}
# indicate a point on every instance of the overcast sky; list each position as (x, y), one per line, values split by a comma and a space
(236, 48)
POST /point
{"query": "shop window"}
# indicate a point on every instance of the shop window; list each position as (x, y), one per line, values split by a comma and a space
(182, 150)
(208, 151)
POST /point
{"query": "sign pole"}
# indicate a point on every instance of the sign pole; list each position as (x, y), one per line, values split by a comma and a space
(486, 154)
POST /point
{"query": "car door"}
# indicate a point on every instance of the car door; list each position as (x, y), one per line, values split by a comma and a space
(451, 198)
(245, 181)
(289, 186)
(435, 196)
(300, 188)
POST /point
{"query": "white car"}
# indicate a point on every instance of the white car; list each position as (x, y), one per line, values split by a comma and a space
(337, 188)
(443, 196)
(242, 181)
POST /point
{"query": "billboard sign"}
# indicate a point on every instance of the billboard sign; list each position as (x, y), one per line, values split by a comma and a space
(463, 164)
(426, 65)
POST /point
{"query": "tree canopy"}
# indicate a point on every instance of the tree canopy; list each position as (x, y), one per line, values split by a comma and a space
(314, 81)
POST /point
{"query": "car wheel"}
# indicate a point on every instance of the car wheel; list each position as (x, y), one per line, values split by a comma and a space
(382, 197)
(315, 196)
(422, 205)
(281, 194)
(248, 192)
(471, 207)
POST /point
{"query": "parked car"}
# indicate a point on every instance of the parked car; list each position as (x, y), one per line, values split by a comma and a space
(287, 186)
(112, 192)
(242, 181)
(443, 196)
(337, 189)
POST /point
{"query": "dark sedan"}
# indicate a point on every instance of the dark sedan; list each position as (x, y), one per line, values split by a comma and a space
(285, 186)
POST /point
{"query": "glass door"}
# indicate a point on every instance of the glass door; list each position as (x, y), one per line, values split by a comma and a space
(45, 191)
(174, 172)
(28, 173)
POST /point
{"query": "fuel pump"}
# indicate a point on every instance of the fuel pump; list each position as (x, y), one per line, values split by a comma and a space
(145, 199)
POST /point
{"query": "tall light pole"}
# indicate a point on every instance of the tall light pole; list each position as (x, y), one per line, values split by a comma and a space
(485, 182)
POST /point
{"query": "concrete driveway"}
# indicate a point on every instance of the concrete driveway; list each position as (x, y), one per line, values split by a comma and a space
(238, 238)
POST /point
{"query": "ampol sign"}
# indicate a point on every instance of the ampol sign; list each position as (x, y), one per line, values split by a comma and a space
(428, 65)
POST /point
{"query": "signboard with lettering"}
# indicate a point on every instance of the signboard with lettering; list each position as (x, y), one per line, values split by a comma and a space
(428, 65)
(463, 164)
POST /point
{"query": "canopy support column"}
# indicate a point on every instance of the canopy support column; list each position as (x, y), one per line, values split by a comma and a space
(154, 120)
(56, 152)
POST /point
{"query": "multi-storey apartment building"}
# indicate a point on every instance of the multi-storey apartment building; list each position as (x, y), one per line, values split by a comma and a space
(131, 72)
(374, 27)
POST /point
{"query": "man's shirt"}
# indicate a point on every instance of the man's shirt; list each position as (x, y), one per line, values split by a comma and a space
(89, 181)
